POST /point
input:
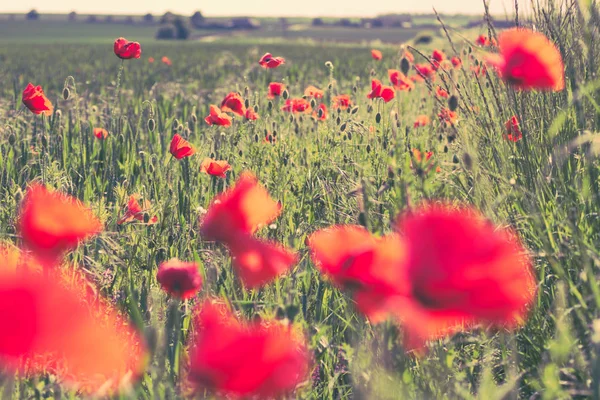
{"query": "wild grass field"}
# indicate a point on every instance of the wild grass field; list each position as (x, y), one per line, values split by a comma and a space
(369, 165)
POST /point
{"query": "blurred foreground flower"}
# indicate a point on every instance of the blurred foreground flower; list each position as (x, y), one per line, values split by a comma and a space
(180, 279)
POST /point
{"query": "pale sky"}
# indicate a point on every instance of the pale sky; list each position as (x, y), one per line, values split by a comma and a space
(309, 8)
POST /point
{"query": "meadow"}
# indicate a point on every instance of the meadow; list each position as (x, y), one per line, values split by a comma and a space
(364, 165)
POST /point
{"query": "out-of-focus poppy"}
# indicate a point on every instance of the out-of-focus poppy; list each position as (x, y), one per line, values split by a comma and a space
(528, 60)
(342, 101)
(379, 91)
(275, 90)
(400, 81)
(409, 56)
(251, 115)
(320, 114)
(456, 62)
(216, 168)
(423, 166)
(448, 117)
(51, 223)
(513, 130)
(298, 105)
(181, 148)
(127, 50)
(424, 71)
(437, 58)
(422, 120)
(216, 117)
(368, 267)
(484, 41)
(37, 102)
(100, 133)
(259, 262)
(234, 103)
(179, 279)
(248, 360)
(136, 212)
(441, 92)
(241, 209)
(166, 60)
(268, 61)
(461, 270)
(151, 60)
(312, 91)
(376, 54)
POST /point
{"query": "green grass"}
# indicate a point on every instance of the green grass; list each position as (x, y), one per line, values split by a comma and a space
(545, 186)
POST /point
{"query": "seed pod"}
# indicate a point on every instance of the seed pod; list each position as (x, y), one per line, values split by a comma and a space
(354, 110)
(343, 127)
(404, 65)
(247, 103)
(378, 118)
(453, 103)
(151, 124)
(285, 94)
(66, 93)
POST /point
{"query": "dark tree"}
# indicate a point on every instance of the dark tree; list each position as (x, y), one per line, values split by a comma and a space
(197, 20)
(72, 16)
(317, 22)
(32, 15)
(149, 18)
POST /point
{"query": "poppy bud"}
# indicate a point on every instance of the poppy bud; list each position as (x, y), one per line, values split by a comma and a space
(453, 103)
(270, 105)
(320, 113)
(12, 139)
(468, 161)
(313, 103)
(280, 313)
(404, 65)
(338, 120)
(349, 135)
(151, 125)
(354, 89)
(329, 65)
(330, 86)
(343, 127)
(66, 93)
(291, 118)
(240, 153)
(274, 133)
(368, 148)
(362, 219)
(455, 159)
(247, 103)
(256, 138)
(378, 118)
(256, 108)
(94, 109)
(345, 138)
(146, 217)
(354, 110)
(445, 149)
(285, 94)
(194, 118)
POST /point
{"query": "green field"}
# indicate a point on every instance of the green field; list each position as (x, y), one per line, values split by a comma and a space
(357, 167)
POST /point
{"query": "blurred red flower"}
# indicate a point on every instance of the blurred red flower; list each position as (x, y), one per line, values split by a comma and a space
(437, 57)
(461, 270)
(320, 114)
(482, 41)
(400, 81)
(513, 130)
(127, 50)
(376, 54)
(234, 103)
(166, 60)
(528, 60)
(251, 115)
(342, 101)
(424, 71)
(448, 117)
(179, 279)
(216, 117)
(51, 223)
(37, 102)
(268, 61)
(298, 105)
(181, 148)
(456, 62)
(151, 60)
(275, 89)
(100, 133)
(422, 120)
(312, 91)
(241, 209)
(249, 360)
(379, 91)
(215, 168)
(136, 212)
(441, 92)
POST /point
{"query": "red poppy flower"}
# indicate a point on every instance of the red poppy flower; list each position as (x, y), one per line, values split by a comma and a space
(135, 212)
(268, 61)
(409, 56)
(234, 103)
(214, 167)
(126, 50)
(179, 279)
(313, 91)
(379, 91)
(441, 92)
(181, 148)
(367, 266)
(422, 120)
(216, 117)
(166, 60)
(461, 270)
(251, 115)
(100, 133)
(275, 89)
(248, 360)
(528, 60)
(54, 325)
(448, 117)
(259, 262)
(342, 101)
(376, 54)
(37, 102)
(456, 62)
(299, 105)
(51, 223)
(479, 70)
(513, 130)
(320, 114)
(437, 58)
(424, 71)
(400, 81)
(241, 209)
(151, 60)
